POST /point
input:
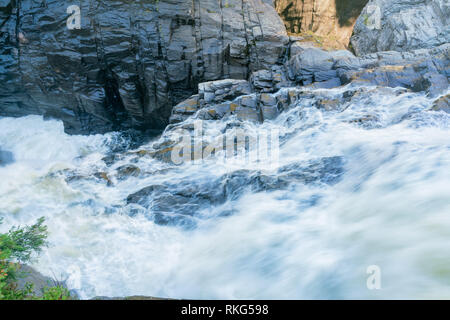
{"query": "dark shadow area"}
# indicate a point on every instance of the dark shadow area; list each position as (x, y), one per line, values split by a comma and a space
(348, 10)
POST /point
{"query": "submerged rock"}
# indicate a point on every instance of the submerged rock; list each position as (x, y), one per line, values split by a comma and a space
(126, 171)
(181, 204)
(6, 158)
(442, 104)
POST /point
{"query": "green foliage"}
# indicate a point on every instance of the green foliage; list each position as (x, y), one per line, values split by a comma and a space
(56, 293)
(19, 245)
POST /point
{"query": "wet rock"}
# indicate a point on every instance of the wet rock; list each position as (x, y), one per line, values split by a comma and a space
(223, 90)
(328, 104)
(326, 170)
(368, 121)
(103, 176)
(270, 80)
(442, 104)
(126, 171)
(112, 158)
(184, 109)
(314, 65)
(180, 204)
(6, 158)
(327, 84)
(177, 204)
(400, 25)
(141, 197)
(245, 107)
(268, 106)
(304, 67)
(419, 70)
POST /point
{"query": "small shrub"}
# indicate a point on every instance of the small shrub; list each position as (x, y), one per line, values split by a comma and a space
(19, 245)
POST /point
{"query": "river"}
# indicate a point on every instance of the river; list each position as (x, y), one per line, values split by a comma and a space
(376, 193)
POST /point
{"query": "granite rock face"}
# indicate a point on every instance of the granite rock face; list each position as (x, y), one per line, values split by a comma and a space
(332, 19)
(398, 25)
(442, 104)
(418, 70)
(261, 99)
(131, 61)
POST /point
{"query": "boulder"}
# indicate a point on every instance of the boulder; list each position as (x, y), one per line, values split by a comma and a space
(28, 275)
(181, 203)
(223, 90)
(315, 65)
(270, 80)
(399, 25)
(442, 104)
(184, 109)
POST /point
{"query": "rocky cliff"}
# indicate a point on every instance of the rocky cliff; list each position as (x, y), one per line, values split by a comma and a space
(131, 61)
(402, 25)
(331, 19)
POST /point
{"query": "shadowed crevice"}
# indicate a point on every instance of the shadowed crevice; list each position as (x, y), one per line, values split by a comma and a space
(348, 11)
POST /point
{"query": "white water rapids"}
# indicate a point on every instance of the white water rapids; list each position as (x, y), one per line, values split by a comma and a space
(390, 208)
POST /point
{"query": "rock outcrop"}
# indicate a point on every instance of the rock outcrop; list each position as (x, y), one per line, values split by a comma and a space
(187, 198)
(442, 104)
(147, 64)
(418, 70)
(27, 275)
(399, 25)
(131, 61)
(333, 20)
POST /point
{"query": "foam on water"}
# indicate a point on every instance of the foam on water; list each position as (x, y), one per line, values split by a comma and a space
(391, 208)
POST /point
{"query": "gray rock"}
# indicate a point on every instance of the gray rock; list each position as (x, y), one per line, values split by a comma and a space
(6, 158)
(305, 66)
(131, 61)
(28, 275)
(269, 80)
(442, 104)
(184, 109)
(418, 70)
(126, 171)
(222, 90)
(403, 25)
(180, 203)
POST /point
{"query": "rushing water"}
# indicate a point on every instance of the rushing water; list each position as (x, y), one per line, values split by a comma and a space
(388, 205)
